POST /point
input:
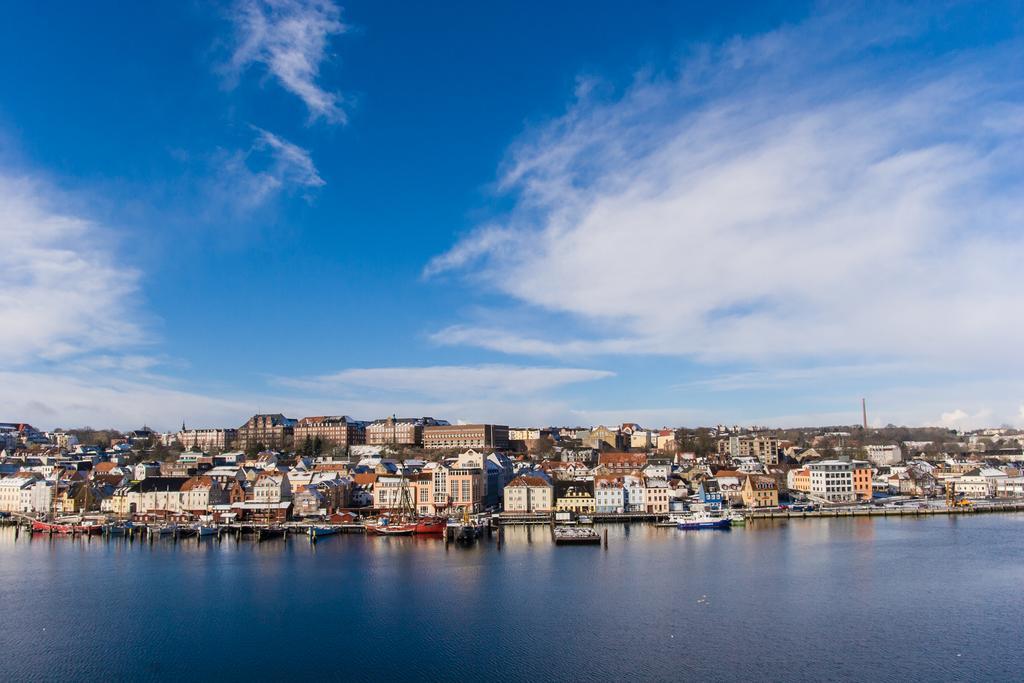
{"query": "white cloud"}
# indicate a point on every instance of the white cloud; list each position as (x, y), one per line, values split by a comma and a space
(961, 419)
(290, 39)
(271, 166)
(63, 289)
(766, 204)
(452, 381)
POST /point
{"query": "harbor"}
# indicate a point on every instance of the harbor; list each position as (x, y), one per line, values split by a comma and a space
(215, 600)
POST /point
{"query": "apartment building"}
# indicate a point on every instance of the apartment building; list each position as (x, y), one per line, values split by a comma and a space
(466, 436)
(339, 431)
(760, 491)
(399, 431)
(274, 431)
(529, 493)
(832, 480)
(207, 439)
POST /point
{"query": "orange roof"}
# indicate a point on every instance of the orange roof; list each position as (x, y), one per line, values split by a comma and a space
(529, 480)
(104, 468)
(200, 482)
(364, 478)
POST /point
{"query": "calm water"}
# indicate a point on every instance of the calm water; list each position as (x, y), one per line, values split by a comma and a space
(887, 599)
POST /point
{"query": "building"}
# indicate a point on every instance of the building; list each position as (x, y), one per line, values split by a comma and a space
(863, 476)
(609, 494)
(16, 491)
(155, 495)
(273, 431)
(641, 440)
(656, 496)
(271, 487)
(460, 486)
(207, 439)
(466, 436)
(575, 495)
(622, 462)
(799, 479)
(338, 431)
(884, 456)
(760, 491)
(832, 481)
(602, 438)
(199, 493)
(529, 493)
(399, 431)
(709, 493)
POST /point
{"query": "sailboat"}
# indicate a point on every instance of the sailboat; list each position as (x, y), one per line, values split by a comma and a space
(401, 521)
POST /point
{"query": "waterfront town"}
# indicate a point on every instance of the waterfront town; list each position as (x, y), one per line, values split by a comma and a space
(336, 471)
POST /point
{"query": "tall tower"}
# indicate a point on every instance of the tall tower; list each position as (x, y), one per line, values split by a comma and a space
(864, 411)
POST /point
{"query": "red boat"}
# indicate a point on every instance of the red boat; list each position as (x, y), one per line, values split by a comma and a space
(431, 525)
(65, 528)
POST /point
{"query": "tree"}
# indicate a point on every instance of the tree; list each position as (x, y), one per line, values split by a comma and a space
(318, 446)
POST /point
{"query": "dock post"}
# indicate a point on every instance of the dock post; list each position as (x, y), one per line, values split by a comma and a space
(606, 539)
(17, 530)
(501, 536)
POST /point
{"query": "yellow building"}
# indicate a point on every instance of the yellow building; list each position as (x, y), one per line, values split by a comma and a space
(575, 495)
(760, 491)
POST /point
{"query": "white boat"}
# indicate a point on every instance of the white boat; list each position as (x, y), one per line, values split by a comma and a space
(703, 517)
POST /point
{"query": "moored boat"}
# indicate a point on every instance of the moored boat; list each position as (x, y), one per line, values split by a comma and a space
(700, 522)
(703, 517)
(118, 529)
(316, 532)
(269, 532)
(431, 525)
(66, 528)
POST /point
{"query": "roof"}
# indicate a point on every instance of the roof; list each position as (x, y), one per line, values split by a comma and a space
(159, 484)
(529, 480)
(200, 482)
(630, 459)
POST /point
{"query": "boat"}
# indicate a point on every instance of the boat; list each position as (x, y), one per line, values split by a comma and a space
(737, 519)
(388, 527)
(433, 526)
(118, 529)
(316, 532)
(269, 532)
(205, 530)
(167, 529)
(69, 528)
(703, 519)
(466, 534)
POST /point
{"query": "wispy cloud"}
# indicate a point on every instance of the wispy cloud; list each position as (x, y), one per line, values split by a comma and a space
(63, 289)
(792, 196)
(448, 381)
(247, 180)
(290, 39)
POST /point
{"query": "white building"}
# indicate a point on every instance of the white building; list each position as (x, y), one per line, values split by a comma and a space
(832, 480)
(884, 456)
(529, 493)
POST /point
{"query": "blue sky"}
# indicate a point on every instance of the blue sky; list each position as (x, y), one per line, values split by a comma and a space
(653, 212)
